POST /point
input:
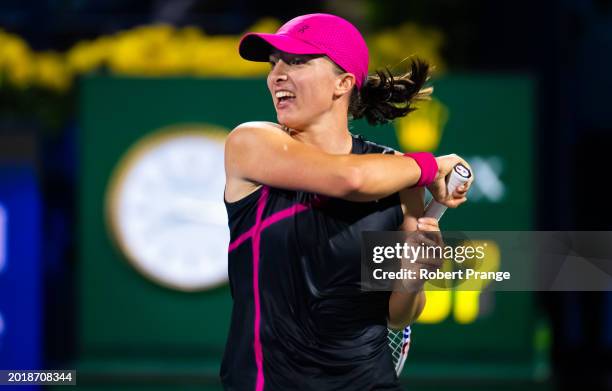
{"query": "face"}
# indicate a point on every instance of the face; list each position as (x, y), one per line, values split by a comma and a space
(303, 87)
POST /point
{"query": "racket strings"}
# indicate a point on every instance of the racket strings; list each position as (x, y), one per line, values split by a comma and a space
(399, 344)
(396, 341)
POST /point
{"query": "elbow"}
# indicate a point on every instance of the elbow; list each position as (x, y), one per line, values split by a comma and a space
(400, 322)
(352, 183)
(398, 319)
(393, 324)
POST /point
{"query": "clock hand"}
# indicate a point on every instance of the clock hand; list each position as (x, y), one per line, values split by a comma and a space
(199, 211)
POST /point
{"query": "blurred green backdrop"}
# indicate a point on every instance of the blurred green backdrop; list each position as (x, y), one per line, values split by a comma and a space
(137, 334)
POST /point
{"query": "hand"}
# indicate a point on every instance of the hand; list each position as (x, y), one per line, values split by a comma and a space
(430, 225)
(438, 188)
(430, 235)
(427, 235)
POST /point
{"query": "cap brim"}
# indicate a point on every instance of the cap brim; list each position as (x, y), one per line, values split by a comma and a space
(258, 46)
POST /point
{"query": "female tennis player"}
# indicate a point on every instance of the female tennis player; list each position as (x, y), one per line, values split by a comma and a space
(299, 193)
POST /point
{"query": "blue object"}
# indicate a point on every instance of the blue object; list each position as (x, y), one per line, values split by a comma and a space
(20, 270)
(607, 323)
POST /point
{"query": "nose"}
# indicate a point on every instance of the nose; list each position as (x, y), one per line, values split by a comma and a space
(278, 72)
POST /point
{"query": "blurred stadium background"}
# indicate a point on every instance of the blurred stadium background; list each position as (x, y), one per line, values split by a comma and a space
(112, 117)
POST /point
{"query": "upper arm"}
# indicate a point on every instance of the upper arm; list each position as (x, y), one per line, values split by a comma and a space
(265, 154)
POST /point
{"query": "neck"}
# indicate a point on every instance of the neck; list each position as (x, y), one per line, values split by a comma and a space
(332, 136)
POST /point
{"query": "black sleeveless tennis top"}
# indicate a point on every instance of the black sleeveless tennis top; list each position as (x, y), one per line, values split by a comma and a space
(299, 319)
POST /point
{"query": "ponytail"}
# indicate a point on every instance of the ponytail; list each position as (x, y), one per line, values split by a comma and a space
(384, 97)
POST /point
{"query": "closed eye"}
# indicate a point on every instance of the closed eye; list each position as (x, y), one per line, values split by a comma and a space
(297, 61)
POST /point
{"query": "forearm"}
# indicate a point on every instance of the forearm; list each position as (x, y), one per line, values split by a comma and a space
(406, 306)
(265, 155)
(377, 176)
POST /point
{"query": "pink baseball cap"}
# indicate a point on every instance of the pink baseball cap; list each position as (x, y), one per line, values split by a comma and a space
(325, 34)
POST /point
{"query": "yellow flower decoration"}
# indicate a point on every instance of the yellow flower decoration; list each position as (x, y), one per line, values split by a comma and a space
(16, 60)
(87, 56)
(50, 71)
(163, 50)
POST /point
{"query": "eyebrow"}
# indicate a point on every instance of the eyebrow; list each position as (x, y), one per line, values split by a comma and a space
(278, 54)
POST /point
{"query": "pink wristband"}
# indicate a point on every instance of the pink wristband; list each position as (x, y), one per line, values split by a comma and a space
(428, 164)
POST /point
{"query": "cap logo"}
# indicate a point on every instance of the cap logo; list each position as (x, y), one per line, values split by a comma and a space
(303, 28)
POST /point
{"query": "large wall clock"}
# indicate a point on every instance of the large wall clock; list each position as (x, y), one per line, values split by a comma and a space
(164, 207)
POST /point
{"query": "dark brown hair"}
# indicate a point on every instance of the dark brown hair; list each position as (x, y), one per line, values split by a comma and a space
(384, 96)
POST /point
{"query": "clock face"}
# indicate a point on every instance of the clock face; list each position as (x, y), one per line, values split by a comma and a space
(166, 211)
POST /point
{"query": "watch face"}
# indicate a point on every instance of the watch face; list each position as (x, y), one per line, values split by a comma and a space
(166, 211)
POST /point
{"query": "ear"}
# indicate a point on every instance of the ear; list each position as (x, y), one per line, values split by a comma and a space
(344, 84)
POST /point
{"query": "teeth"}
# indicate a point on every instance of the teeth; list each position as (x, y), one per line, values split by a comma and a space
(283, 94)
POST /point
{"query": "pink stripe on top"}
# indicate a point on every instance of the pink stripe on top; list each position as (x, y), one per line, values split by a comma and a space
(255, 234)
(283, 214)
(240, 239)
(261, 203)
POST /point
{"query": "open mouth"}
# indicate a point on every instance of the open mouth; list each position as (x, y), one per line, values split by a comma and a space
(284, 96)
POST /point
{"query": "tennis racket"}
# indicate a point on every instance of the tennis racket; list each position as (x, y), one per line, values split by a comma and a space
(399, 340)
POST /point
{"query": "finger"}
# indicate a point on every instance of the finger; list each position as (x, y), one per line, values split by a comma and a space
(459, 193)
(429, 263)
(456, 202)
(428, 220)
(436, 241)
(435, 236)
(428, 227)
(432, 239)
(461, 200)
(423, 239)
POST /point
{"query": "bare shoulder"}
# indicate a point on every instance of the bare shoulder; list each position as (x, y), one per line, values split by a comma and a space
(249, 135)
(263, 125)
(237, 187)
